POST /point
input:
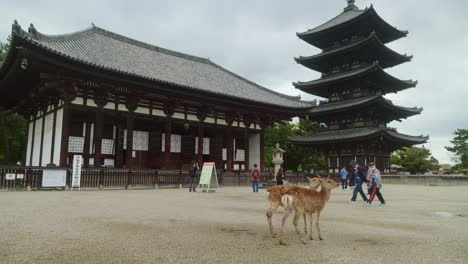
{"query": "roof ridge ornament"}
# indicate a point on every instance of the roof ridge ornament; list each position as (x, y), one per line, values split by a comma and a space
(351, 6)
(32, 30)
(15, 27)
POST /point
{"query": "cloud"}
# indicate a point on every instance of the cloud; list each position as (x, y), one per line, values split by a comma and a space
(257, 40)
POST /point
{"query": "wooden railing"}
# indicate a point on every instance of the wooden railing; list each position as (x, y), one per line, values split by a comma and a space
(105, 178)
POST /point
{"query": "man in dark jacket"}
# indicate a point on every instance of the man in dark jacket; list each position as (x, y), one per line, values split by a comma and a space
(359, 176)
(193, 176)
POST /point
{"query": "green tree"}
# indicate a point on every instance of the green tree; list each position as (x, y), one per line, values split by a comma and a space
(460, 147)
(414, 160)
(296, 158)
(13, 127)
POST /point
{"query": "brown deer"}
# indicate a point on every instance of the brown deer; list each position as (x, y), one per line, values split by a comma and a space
(305, 201)
(274, 197)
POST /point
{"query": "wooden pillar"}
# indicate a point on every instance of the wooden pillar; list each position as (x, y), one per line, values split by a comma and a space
(167, 143)
(262, 149)
(246, 148)
(66, 124)
(98, 129)
(129, 153)
(200, 144)
(41, 150)
(54, 125)
(32, 139)
(169, 108)
(229, 149)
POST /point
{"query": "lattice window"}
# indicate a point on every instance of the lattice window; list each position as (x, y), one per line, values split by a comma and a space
(176, 143)
(75, 144)
(107, 146)
(206, 146)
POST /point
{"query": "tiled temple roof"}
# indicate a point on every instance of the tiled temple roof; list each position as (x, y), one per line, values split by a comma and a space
(109, 51)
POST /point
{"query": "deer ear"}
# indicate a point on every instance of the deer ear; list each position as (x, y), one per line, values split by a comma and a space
(309, 179)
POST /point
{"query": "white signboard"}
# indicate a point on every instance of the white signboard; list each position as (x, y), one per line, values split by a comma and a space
(54, 177)
(76, 174)
(20, 176)
(9, 176)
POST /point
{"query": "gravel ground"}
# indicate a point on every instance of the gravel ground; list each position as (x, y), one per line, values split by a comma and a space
(420, 224)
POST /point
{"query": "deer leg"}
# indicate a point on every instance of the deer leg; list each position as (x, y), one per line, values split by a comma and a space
(287, 212)
(311, 219)
(305, 223)
(297, 215)
(317, 223)
(269, 215)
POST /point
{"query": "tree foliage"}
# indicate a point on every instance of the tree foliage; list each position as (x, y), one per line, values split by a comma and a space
(460, 147)
(13, 127)
(414, 160)
(296, 158)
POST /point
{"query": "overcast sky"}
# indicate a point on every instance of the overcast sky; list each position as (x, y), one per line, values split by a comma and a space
(257, 40)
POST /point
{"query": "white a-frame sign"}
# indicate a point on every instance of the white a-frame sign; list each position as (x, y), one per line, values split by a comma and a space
(208, 177)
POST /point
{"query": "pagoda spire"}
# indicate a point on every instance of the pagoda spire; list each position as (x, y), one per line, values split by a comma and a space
(351, 6)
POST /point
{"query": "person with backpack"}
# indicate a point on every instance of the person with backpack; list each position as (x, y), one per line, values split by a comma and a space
(255, 177)
(359, 177)
(344, 178)
(193, 176)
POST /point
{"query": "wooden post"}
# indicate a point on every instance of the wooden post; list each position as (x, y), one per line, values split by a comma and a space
(229, 149)
(246, 149)
(41, 150)
(32, 138)
(98, 128)
(262, 149)
(54, 124)
(65, 131)
(167, 142)
(200, 144)
(130, 124)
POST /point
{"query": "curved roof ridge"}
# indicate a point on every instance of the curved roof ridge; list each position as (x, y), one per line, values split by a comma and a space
(345, 17)
(149, 46)
(290, 97)
(372, 36)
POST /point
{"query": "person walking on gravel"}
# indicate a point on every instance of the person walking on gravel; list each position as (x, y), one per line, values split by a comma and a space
(375, 184)
(359, 177)
(344, 178)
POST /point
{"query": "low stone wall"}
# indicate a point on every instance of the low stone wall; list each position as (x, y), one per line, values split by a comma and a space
(435, 180)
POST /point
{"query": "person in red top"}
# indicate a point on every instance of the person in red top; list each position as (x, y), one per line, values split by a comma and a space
(255, 177)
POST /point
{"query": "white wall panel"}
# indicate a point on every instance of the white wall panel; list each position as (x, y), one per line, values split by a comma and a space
(254, 150)
(46, 147)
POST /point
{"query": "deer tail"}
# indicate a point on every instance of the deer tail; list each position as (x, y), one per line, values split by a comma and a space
(287, 201)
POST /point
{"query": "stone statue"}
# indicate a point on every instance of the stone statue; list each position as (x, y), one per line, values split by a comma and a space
(277, 157)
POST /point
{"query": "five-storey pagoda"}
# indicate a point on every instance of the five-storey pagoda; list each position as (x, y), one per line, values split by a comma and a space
(356, 114)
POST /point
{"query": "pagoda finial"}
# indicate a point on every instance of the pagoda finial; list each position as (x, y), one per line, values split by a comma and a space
(350, 6)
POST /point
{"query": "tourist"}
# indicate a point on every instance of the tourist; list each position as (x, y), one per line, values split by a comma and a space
(344, 178)
(255, 177)
(358, 176)
(193, 176)
(375, 184)
(279, 177)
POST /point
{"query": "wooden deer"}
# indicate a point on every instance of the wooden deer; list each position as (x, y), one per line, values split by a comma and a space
(274, 197)
(305, 201)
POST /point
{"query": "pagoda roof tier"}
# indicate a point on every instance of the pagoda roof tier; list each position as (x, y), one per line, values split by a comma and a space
(368, 49)
(352, 22)
(373, 76)
(356, 134)
(382, 106)
(104, 51)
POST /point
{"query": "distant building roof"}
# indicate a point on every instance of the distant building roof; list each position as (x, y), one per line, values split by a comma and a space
(103, 49)
(351, 21)
(356, 134)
